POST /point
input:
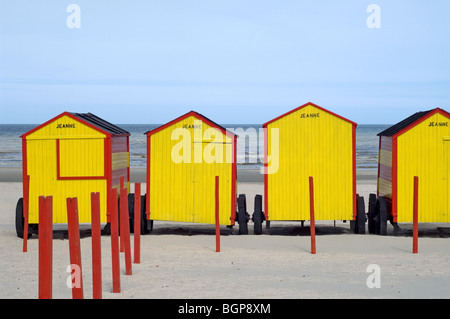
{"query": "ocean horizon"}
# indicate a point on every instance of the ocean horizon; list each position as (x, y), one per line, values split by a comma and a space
(249, 150)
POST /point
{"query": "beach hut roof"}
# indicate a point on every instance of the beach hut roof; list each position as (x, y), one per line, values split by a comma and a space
(196, 115)
(90, 120)
(411, 121)
(304, 105)
(101, 123)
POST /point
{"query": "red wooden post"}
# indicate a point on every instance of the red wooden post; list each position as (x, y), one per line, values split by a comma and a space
(96, 247)
(74, 247)
(137, 223)
(115, 242)
(217, 216)
(416, 216)
(125, 229)
(45, 247)
(122, 248)
(26, 196)
(312, 222)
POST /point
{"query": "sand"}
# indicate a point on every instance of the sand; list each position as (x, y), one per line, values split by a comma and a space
(179, 260)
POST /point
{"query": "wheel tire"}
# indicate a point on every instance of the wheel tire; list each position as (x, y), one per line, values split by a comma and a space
(107, 229)
(372, 213)
(144, 229)
(242, 215)
(149, 225)
(20, 221)
(354, 223)
(19, 218)
(361, 216)
(381, 217)
(258, 216)
(131, 211)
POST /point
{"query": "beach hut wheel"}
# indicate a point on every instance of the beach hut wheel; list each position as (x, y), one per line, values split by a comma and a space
(381, 216)
(144, 222)
(131, 211)
(143, 228)
(107, 229)
(20, 220)
(258, 216)
(243, 216)
(360, 216)
(354, 223)
(372, 213)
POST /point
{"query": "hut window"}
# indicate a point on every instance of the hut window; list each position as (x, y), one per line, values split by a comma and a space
(80, 159)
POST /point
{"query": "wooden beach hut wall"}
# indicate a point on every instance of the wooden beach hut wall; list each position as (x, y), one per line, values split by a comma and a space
(310, 141)
(183, 158)
(417, 146)
(72, 155)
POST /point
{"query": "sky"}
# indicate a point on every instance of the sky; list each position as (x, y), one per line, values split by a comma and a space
(234, 61)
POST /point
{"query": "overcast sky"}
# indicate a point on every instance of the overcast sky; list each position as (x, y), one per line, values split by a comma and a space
(234, 61)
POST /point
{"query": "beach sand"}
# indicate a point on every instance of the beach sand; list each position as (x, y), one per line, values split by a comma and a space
(179, 260)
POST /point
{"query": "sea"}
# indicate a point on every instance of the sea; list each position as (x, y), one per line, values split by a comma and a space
(249, 149)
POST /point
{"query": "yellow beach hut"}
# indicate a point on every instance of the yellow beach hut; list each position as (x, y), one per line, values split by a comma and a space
(72, 155)
(416, 146)
(310, 141)
(183, 158)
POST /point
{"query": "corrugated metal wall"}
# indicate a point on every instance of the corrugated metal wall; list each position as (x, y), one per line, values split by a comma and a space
(315, 143)
(182, 177)
(423, 152)
(120, 161)
(81, 154)
(385, 168)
